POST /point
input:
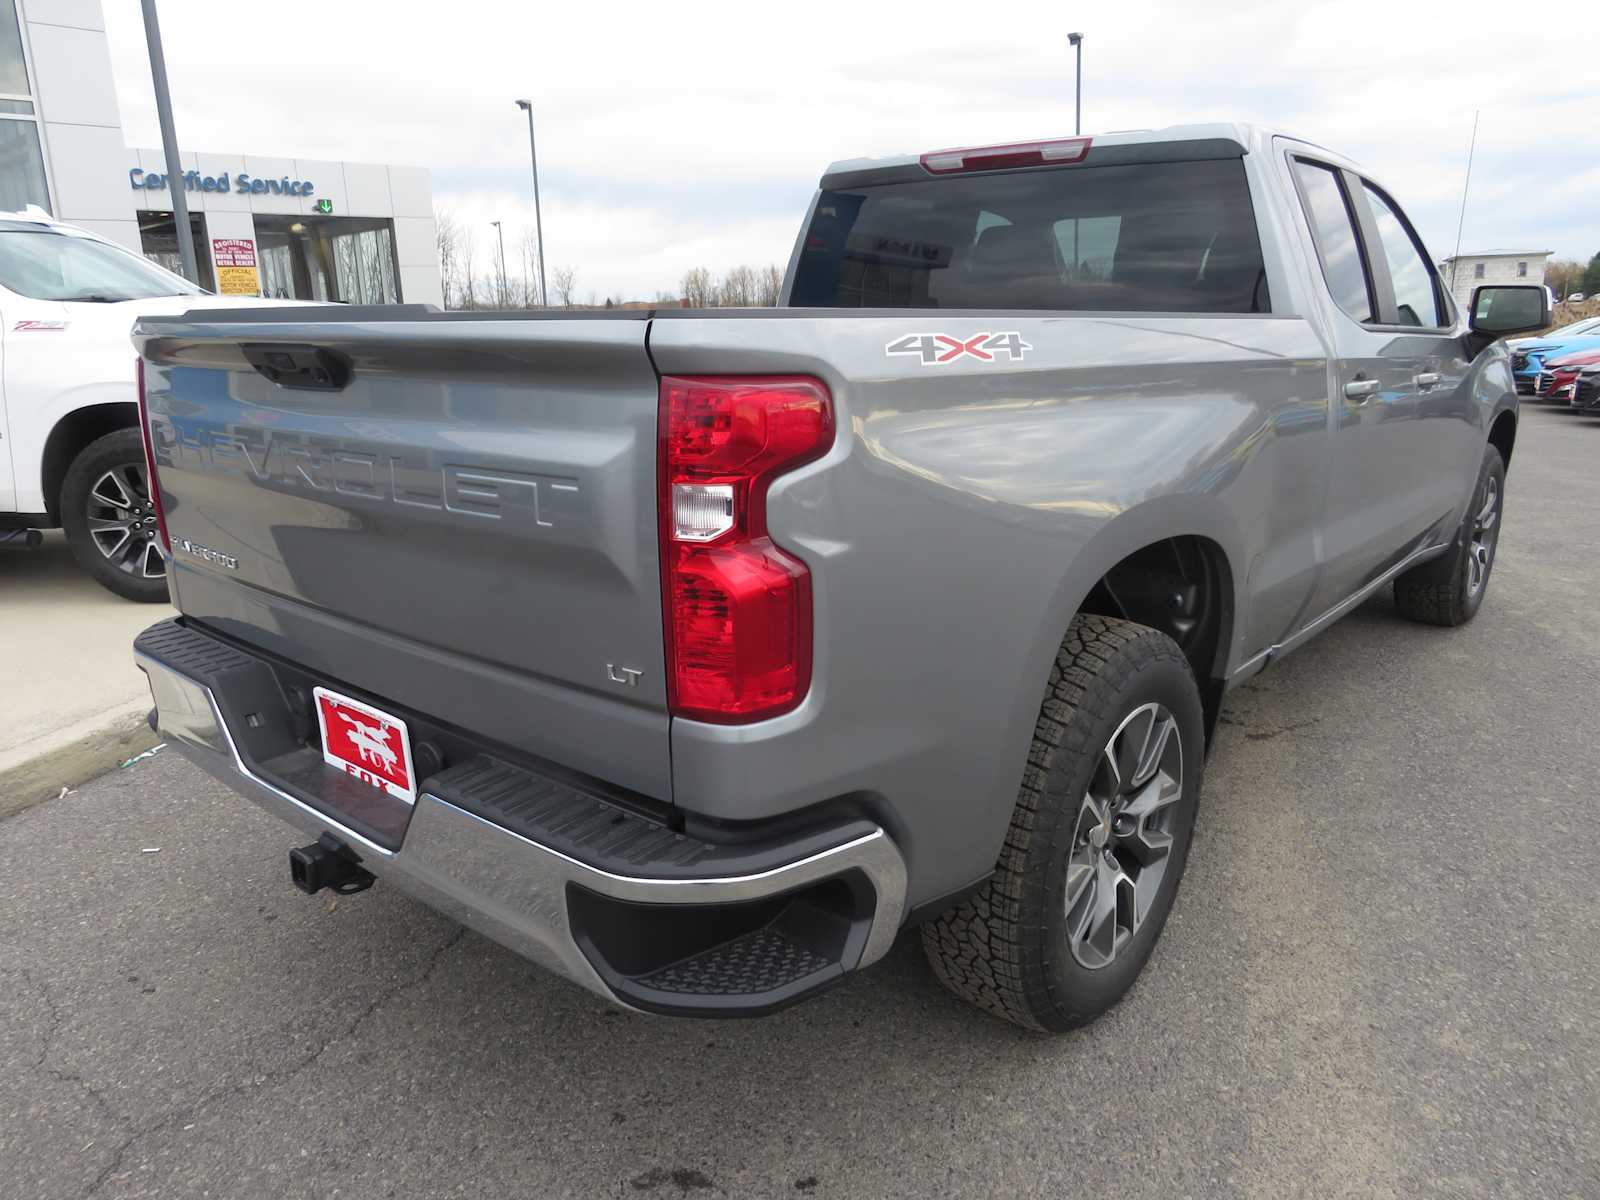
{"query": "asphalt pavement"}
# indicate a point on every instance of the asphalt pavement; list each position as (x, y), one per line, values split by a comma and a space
(1382, 978)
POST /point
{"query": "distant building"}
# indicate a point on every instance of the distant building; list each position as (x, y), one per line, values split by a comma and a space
(1467, 271)
(282, 227)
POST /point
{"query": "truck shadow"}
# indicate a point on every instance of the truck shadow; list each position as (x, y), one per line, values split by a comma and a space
(886, 1064)
(50, 566)
(387, 1044)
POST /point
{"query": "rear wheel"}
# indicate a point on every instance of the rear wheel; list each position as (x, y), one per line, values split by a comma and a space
(1449, 590)
(1098, 839)
(110, 519)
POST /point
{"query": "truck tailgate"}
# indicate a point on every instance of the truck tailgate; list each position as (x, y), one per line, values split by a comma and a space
(456, 515)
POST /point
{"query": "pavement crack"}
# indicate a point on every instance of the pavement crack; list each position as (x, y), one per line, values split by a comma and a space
(426, 974)
(262, 1082)
(57, 1019)
(1266, 735)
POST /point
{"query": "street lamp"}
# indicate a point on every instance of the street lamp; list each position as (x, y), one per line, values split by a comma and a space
(169, 142)
(502, 233)
(1076, 40)
(538, 223)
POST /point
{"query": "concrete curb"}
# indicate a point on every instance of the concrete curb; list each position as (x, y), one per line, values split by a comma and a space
(74, 755)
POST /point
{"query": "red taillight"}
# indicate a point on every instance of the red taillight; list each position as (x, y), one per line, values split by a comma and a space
(737, 608)
(150, 457)
(1015, 154)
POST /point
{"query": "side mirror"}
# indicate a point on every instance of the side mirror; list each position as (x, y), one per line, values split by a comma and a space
(1501, 310)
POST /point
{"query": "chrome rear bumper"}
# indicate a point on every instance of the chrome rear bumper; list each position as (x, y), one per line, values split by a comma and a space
(515, 890)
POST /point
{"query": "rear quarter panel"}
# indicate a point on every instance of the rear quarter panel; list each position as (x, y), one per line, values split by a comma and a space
(962, 516)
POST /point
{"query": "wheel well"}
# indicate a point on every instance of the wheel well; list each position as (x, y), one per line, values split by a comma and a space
(1183, 587)
(1503, 435)
(68, 439)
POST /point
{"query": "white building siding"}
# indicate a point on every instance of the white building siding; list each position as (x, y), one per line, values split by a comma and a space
(79, 14)
(1462, 275)
(69, 63)
(328, 180)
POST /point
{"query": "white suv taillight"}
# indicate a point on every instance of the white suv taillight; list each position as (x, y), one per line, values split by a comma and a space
(736, 607)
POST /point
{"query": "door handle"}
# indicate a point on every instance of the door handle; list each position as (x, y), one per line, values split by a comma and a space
(1425, 380)
(1361, 390)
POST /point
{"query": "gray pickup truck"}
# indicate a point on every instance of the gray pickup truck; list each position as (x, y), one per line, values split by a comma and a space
(696, 654)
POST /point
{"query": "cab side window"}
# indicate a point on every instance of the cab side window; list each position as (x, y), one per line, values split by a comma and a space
(1337, 244)
(1416, 296)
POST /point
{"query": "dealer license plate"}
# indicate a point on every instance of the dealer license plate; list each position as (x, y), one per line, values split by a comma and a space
(367, 743)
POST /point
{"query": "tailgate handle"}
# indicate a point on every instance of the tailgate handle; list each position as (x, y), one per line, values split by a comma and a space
(308, 368)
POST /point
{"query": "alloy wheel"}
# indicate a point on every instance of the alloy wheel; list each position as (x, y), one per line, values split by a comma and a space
(1122, 845)
(1485, 528)
(122, 521)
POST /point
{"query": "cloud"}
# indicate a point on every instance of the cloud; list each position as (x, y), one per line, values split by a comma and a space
(668, 132)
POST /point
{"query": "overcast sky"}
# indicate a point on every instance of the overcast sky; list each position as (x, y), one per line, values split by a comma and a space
(674, 135)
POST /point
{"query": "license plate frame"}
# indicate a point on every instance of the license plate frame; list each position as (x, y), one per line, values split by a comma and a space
(376, 748)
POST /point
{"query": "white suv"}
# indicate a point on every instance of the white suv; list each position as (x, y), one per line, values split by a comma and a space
(70, 454)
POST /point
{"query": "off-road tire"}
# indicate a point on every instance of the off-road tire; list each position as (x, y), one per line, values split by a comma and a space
(117, 449)
(1005, 949)
(1439, 592)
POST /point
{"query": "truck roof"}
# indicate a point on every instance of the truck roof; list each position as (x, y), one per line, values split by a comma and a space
(1249, 138)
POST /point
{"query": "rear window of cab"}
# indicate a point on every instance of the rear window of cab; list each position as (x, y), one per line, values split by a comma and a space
(1156, 237)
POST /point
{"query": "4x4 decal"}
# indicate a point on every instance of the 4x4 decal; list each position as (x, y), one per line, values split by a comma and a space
(937, 349)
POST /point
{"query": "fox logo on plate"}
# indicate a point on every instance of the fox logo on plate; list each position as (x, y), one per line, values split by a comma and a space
(368, 744)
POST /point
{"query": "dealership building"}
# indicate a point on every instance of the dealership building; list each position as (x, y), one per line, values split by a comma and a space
(310, 229)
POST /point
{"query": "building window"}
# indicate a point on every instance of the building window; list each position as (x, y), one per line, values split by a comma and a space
(22, 178)
(328, 258)
(1477, 270)
(1522, 270)
(158, 238)
(13, 67)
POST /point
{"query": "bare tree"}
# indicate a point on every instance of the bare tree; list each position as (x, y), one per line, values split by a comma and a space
(497, 271)
(466, 288)
(566, 285)
(739, 288)
(528, 255)
(699, 289)
(769, 286)
(447, 237)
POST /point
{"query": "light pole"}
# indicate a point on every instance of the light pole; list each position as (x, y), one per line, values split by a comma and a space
(1076, 39)
(538, 222)
(502, 234)
(169, 142)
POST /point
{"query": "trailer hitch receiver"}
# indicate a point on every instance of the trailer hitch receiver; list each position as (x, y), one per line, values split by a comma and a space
(328, 863)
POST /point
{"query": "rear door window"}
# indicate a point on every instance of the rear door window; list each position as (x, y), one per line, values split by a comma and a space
(1416, 299)
(1150, 237)
(1337, 244)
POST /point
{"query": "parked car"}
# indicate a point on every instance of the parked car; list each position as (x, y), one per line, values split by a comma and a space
(1576, 298)
(1586, 387)
(70, 415)
(1557, 380)
(694, 654)
(1529, 355)
(1588, 327)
